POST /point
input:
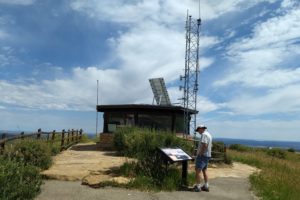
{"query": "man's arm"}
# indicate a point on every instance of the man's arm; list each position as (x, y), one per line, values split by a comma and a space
(203, 148)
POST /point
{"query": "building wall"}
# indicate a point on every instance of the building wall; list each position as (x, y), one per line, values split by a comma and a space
(168, 121)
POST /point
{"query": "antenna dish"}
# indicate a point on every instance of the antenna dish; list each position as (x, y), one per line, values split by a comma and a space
(160, 91)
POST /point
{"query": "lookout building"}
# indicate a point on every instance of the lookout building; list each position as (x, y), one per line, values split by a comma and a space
(160, 117)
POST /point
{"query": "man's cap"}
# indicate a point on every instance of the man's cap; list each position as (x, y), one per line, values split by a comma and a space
(201, 127)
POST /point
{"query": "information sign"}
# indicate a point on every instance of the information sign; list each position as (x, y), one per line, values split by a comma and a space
(176, 154)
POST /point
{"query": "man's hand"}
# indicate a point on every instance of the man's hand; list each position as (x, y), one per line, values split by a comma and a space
(203, 148)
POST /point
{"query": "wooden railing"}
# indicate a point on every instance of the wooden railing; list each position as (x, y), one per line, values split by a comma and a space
(64, 138)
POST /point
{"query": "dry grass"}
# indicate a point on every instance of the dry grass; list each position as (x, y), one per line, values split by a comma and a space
(278, 179)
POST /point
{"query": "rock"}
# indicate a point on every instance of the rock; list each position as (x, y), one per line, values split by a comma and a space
(95, 180)
(121, 180)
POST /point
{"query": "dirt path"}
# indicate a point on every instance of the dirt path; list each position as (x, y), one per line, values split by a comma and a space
(84, 160)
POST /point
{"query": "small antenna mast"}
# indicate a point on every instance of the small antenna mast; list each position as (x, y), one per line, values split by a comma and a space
(199, 9)
(96, 109)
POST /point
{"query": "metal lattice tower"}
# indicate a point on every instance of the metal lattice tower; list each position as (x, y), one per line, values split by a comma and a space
(191, 73)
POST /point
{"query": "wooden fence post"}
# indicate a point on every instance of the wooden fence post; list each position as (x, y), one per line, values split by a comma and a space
(2, 145)
(80, 134)
(22, 135)
(53, 136)
(38, 136)
(72, 135)
(77, 139)
(62, 140)
(48, 136)
(68, 136)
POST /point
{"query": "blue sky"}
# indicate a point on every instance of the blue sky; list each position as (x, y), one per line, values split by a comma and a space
(53, 52)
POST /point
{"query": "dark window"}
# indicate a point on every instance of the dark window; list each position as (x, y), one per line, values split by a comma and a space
(179, 123)
(117, 119)
(161, 122)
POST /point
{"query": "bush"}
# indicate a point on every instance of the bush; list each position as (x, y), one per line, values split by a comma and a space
(54, 149)
(239, 147)
(291, 150)
(18, 181)
(218, 146)
(278, 153)
(143, 145)
(227, 159)
(138, 143)
(31, 152)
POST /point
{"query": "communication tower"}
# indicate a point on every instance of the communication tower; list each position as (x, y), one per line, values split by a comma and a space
(191, 72)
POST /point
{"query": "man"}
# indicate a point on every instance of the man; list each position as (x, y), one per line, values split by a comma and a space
(203, 156)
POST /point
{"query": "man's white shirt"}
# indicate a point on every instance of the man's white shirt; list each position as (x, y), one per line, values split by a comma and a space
(207, 139)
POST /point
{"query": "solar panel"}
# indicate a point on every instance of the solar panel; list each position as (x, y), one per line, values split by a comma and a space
(160, 91)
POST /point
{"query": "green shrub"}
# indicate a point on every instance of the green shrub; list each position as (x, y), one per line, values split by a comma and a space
(142, 183)
(172, 180)
(291, 150)
(31, 152)
(218, 146)
(18, 181)
(128, 169)
(138, 143)
(278, 153)
(227, 159)
(239, 147)
(54, 149)
(143, 145)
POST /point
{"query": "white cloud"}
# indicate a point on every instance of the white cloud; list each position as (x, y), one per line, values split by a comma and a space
(205, 62)
(17, 2)
(168, 11)
(263, 59)
(7, 56)
(77, 92)
(204, 105)
(288, 3)
(281, 100)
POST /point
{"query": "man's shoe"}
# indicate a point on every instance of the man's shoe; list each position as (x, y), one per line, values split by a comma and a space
(196, 189)
(206, 189)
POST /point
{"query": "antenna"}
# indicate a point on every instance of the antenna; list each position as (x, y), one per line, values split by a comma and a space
(199, 17)
(96, 109)
(160, 91)
(191, 72)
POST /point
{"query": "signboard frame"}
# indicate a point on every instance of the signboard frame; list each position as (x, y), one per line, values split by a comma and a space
(175, 154)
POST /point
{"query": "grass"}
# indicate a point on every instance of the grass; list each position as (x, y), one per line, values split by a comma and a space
(279, 175)
(86, 139)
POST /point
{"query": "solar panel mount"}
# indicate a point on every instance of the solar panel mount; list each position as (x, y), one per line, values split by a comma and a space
(160, 91)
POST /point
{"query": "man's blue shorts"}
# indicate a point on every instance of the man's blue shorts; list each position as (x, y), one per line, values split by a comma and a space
(202, 162)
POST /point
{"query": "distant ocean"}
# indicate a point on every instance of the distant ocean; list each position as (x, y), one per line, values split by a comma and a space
(259, 143)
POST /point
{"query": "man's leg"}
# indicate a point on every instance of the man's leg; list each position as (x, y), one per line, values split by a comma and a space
(205, 187)
(205, 175)
(198, 177)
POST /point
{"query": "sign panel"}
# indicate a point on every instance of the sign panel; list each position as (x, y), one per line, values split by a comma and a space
(176, 154)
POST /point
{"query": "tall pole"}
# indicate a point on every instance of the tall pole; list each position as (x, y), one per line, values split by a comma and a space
(191, 80)
(96, 108)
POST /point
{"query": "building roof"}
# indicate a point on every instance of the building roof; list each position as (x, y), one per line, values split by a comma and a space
(142, 107)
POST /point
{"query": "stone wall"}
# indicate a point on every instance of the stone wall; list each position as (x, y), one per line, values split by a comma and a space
(106, 141)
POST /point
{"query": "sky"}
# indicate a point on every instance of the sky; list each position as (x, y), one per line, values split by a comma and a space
(53, 52)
